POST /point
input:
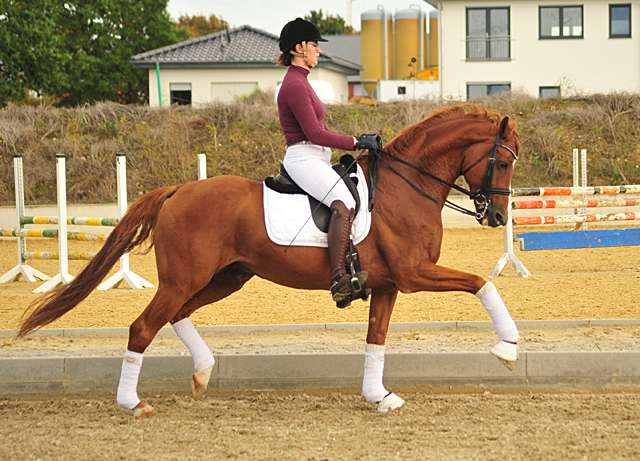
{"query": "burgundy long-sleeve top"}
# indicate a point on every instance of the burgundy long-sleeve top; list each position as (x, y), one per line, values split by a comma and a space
(302, 113)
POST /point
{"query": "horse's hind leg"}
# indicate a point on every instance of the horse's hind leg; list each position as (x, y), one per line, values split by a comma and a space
(164, 305)
(220, 286)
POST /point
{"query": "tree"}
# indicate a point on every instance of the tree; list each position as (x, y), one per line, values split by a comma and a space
(102, 36)
(79, 51)
(198, 25)
(329, 25)
(30, 57)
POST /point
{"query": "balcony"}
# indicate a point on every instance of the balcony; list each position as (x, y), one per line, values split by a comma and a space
(489, 48)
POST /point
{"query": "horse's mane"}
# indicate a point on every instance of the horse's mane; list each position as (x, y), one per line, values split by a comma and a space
(408, 134)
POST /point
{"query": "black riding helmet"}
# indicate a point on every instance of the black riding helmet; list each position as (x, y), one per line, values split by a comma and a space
(298, 31)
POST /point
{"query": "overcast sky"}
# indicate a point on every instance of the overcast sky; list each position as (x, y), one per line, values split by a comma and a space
(271, 15)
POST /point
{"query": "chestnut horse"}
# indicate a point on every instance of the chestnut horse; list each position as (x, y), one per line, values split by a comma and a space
(210, 239)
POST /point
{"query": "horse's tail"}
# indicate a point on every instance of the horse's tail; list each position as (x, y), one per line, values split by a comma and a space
(134, 228)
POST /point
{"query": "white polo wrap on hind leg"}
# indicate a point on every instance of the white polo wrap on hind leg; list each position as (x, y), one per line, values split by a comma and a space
(502, 320)
(127, 396)
(372, 387)
(202, 357)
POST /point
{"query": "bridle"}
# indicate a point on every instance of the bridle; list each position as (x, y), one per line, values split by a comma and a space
(481, 198)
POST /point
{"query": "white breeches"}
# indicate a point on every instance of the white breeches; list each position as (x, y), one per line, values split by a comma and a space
(309, 166)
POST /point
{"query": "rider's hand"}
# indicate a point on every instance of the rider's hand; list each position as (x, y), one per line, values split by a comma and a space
(367, 141)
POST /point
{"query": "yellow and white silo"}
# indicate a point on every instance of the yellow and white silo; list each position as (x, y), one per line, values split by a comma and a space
(376, 47)
(410, 42)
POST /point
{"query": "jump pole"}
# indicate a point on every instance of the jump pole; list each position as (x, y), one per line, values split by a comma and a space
(63, 276)
(22, 269)
(124, 274)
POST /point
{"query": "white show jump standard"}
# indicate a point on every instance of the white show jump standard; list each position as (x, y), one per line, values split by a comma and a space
(30, 274)
(567, 239)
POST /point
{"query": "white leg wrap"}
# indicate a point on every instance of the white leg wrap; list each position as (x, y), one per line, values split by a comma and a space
(127, 396)
(502, 321)
(372, 387)
(202, 357)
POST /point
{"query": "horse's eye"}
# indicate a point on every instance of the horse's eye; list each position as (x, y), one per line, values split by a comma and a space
(502, 165)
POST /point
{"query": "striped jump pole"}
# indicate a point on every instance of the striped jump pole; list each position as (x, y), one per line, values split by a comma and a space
(202, 166)
(124, 274)
(22, 269)
(63, 277)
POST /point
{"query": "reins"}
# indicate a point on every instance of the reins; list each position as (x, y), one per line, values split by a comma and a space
(481, 198)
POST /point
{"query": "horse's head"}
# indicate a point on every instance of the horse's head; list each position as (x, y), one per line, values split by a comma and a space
(488, 168)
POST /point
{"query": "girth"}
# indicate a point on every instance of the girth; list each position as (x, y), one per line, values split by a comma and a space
(321, 214)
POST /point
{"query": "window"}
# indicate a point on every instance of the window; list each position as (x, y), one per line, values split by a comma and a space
(488, 36)
(476, 90)
(181, 93)
(619, 21)
(561, 22)
(402, 90)
(549, 91)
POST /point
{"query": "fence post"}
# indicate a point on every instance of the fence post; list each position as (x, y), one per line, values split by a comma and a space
(135, 281)
(509, 256)
(202, 166)
(22, 269)
(63, 276)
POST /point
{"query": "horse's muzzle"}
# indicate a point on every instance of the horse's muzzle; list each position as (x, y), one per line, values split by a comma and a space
(495, 216)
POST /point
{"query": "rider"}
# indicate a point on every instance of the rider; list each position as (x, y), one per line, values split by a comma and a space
(309, 142)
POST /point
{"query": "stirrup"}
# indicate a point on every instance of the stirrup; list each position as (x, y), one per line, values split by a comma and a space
(355, 284)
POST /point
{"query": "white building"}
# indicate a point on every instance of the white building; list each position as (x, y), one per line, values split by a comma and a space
(229, 64)
(539, 47)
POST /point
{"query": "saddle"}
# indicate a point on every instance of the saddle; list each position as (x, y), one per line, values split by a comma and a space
(321, 213)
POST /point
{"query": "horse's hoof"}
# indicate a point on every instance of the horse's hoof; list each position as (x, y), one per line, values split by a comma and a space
(199, 383)
(507, 353)
(390, 402)
(143, 410)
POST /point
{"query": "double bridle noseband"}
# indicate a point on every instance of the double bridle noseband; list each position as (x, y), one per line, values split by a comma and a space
(481, 198)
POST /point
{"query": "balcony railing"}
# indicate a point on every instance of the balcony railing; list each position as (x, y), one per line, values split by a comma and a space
(489, 48)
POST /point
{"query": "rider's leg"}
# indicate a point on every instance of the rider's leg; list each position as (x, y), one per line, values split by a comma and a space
(338, 238)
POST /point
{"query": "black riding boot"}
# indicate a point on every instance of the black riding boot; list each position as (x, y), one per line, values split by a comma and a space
(338, 235)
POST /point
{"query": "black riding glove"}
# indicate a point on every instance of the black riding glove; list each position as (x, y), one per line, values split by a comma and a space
(368, 141)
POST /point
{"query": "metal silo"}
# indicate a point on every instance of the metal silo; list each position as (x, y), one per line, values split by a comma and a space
(376, 45)
(410, 42)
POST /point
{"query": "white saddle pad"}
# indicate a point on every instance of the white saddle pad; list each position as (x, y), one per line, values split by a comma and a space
(286, 215)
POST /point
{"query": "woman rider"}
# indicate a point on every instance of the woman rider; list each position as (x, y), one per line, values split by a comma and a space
(309, 142)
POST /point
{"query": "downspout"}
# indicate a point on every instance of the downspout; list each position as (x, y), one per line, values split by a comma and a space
(440, 69)
(422, 32)
(385, 39)
(159, 87)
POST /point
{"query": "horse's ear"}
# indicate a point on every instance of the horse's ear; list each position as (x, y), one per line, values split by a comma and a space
(505, 129)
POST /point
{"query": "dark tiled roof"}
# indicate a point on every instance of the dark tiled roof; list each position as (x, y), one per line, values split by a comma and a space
(345, 46)
(244, 44)
(242, 47)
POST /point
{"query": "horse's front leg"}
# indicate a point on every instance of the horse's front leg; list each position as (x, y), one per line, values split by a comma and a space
(439, 278)
(379, 316)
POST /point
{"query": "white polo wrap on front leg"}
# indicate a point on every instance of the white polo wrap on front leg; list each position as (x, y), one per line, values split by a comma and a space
(372, 387)
(202, 357)
(127, 396)
(502, 321)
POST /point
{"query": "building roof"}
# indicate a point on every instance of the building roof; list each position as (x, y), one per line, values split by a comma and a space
(242, 47)
(345, 46)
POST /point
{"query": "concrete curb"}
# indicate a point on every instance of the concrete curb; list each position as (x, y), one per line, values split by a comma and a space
(87, 375)
(257, 372)
(292, 328)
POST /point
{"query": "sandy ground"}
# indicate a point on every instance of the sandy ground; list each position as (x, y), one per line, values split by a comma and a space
(438, 426)
(435, 425)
